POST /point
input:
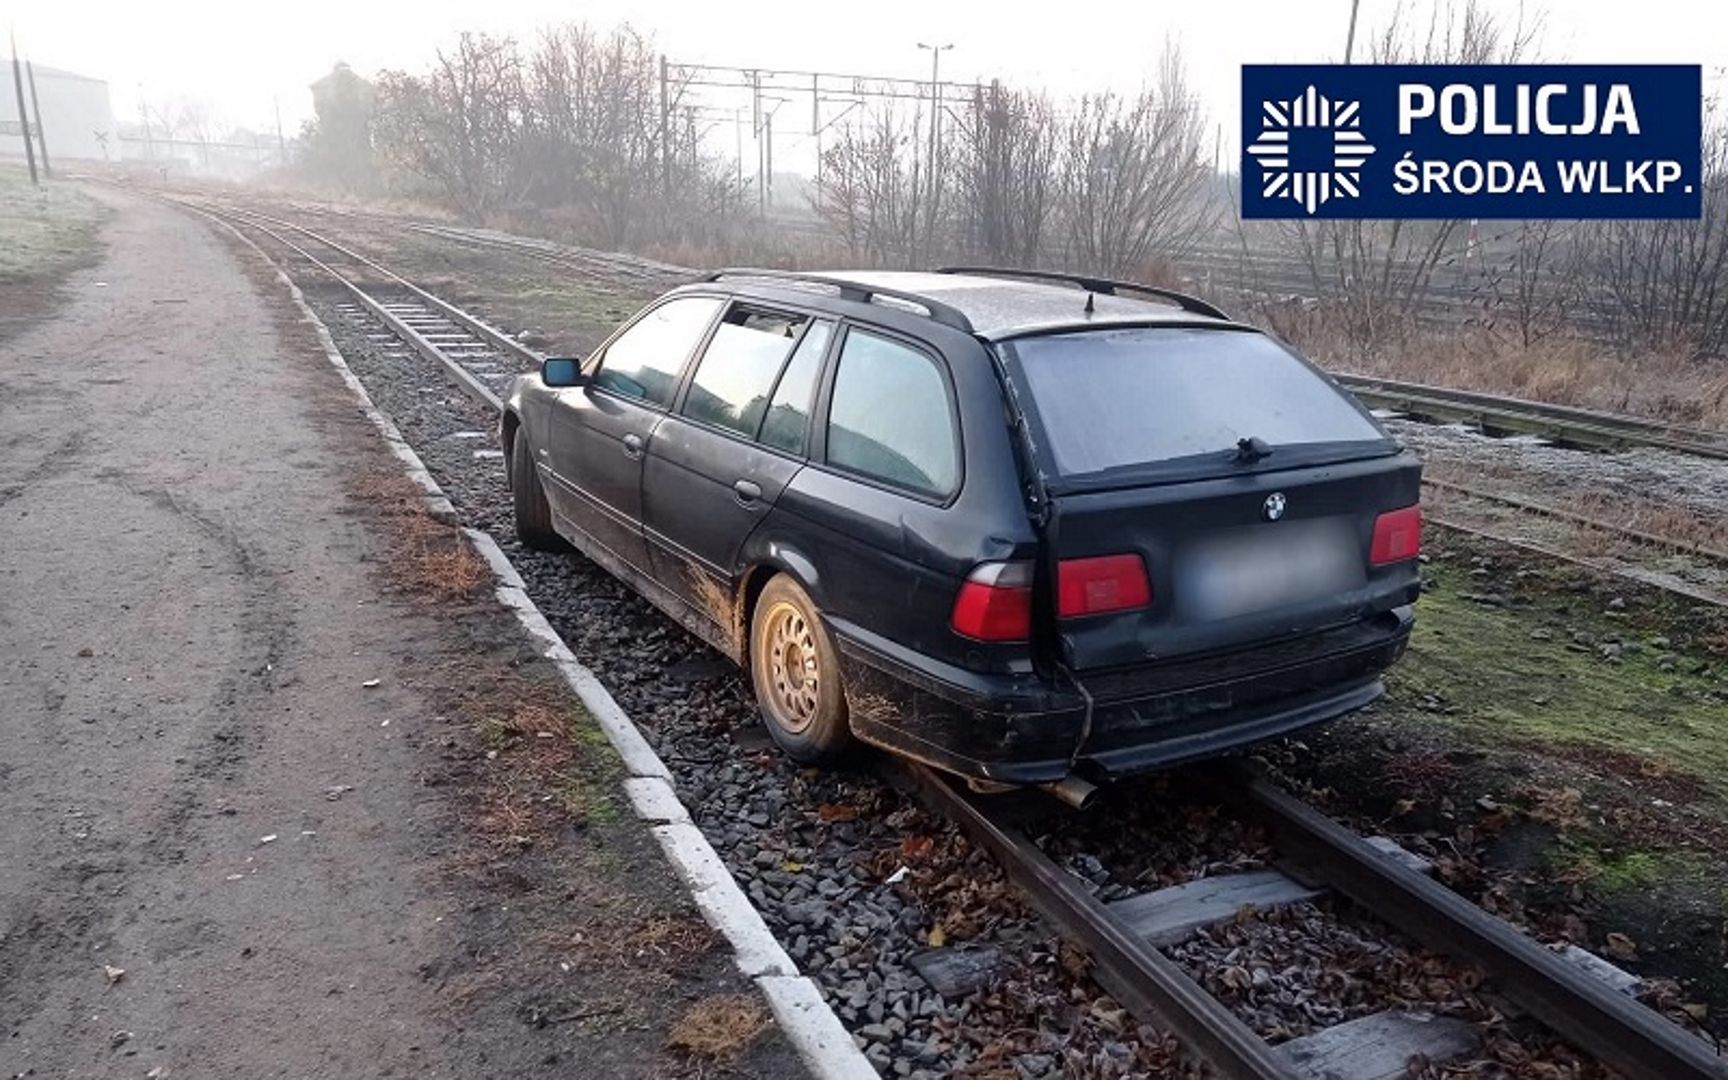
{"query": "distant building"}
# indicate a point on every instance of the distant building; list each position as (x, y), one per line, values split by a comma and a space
(76, 115)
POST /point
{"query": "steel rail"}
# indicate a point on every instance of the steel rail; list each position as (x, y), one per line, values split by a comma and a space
(472, 386)
(1653, 539)
(1588, 427)
(1617, 1029)
(580, 259)
(1638, 577)
(1151, 985)
(486, 331)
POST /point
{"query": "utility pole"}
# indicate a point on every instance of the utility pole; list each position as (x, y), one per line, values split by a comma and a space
(665, 135)
(690, 130)
(756, 134)
(144, 115)
(1350, 38)
(281, 143)
(36, 110)
(23, 116)
(936, 52)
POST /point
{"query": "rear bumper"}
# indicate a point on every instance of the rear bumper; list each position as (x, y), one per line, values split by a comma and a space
(1020, 729)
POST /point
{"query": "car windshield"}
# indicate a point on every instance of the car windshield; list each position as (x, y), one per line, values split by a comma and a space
(1113, 399)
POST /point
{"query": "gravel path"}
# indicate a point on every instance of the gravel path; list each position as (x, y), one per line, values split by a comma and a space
(238, 808)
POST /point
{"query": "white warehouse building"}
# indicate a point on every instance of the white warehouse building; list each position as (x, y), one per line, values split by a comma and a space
(76, 115)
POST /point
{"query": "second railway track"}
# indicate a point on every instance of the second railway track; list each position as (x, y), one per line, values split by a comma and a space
(1561, 992)
(1496, 413)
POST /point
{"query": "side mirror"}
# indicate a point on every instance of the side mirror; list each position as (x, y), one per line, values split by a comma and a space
(562, 371)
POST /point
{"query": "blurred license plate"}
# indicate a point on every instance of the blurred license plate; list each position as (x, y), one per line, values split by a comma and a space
(1267, 566)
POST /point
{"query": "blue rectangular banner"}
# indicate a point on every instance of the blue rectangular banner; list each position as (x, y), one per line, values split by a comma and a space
(1471, 141)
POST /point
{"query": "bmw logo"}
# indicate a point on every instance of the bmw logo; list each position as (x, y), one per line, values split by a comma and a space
(1273, 508)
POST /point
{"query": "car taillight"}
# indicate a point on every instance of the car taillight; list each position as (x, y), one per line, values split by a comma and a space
(1104, 583)
(1397, 536)
(995, 603)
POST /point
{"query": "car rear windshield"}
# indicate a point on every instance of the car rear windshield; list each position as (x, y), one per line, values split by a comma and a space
(1114, 399)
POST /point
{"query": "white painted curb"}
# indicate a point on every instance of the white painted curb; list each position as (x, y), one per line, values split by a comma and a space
(806, 1021)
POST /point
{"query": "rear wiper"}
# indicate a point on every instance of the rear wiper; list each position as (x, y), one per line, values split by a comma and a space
(1252, 449)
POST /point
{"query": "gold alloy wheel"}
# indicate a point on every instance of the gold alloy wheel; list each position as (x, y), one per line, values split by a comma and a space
(794, 683)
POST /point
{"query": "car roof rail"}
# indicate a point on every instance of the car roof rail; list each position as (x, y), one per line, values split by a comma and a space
(1094, 284)
(858, 291)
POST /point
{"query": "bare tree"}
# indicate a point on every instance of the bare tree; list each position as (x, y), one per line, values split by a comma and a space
(1005, 174)
(1665, 283)
(1133, 183)
(594, 137)
(1373, 277)
(873, 190)
(1531, 291)
(575, 130)
(458, 126)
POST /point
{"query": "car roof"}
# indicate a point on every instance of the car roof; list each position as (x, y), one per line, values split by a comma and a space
(997, 307)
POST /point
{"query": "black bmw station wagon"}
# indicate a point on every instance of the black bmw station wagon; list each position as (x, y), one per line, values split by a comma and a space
(1028, 528)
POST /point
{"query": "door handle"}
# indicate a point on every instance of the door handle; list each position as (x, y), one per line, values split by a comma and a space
(633, 445)
(748, 491)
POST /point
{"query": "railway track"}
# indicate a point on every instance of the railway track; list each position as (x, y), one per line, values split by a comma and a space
(645, 273)
(1570, 992)
(1693, 571)
(1562, 991)
(1565, 424)
(479, 357)
(1641, 536)
(1663, 582)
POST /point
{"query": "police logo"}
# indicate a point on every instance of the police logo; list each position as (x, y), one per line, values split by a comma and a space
(1309, 116)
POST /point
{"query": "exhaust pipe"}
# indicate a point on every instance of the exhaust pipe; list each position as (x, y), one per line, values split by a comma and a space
(1078, 793)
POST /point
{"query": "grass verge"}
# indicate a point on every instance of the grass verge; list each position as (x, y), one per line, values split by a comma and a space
(1558, 742)
(47, 229)
(46, 232)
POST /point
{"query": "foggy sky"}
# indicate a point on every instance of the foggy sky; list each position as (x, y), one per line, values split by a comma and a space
(242, 59)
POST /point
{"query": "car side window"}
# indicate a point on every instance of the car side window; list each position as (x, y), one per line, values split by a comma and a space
(889, 417)
(646, 361)
(736, 374)
(789, 412)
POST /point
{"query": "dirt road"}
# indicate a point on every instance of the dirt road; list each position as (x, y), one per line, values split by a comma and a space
(222, 732)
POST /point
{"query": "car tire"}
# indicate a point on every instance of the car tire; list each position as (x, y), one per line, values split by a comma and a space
(528, 498)
(796, 672)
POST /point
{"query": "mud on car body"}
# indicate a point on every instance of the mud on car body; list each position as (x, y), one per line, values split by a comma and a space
(1017, 526)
